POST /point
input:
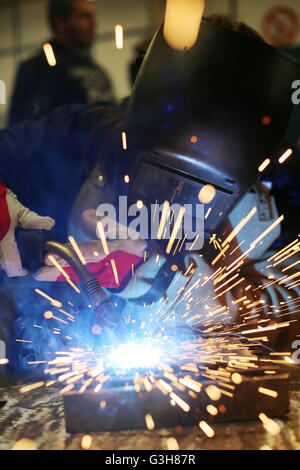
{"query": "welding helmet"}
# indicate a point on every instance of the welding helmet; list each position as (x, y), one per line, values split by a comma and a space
(209, 115)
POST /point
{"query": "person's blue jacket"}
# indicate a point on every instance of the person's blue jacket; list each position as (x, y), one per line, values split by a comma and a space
(46, 161)
(41, 88)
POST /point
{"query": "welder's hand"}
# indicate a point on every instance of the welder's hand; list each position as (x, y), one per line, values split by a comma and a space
(126, 254)
(114, 267)
(13, 214)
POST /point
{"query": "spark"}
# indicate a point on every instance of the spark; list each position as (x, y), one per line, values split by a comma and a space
(86, 442)
(175, 229)
(207, 194)
(165, 212)
(285, 156)
(236, 378)
(213, 392)
(206, 429)
(267, 391)
(208, 213)
(149, 422)
(25, 444)
(269, 424)
(114, 268)
(288, 359)
(190, 383)
(268, 230)
(49, 53)
(172, 444)
(77, 250)
(239, 227)
(63, 272)
(102, 237)
(212, 410)
(124, 140)
(180, 402)
(119, 35)
(222, 253)
(28, 388)
(264, 165)
(53, 302)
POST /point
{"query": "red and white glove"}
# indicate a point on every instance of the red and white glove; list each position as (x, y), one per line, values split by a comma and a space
(126, 254)
(13, 214)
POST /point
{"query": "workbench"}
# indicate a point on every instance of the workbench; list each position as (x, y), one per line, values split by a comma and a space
(39, 416)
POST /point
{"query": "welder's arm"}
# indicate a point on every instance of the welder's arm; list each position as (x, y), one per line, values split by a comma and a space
(13, 214)
(113, 269)
(68, 125)
(268, 291)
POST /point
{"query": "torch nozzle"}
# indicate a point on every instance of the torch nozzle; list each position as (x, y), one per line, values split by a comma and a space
(104, 310)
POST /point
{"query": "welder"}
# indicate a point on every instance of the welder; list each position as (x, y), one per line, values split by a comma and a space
(192, 121)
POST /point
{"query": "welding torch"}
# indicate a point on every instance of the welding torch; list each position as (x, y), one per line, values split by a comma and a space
(33, 245)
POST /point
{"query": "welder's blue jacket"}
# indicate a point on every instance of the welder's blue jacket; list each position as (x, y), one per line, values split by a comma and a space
(45, 162)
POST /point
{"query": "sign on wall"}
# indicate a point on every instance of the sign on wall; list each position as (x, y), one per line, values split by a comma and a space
(280, 26)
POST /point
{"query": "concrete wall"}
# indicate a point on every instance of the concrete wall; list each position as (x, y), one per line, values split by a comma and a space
(24, 29)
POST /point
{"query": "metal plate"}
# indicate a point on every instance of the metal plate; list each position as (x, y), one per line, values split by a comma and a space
(123, 408)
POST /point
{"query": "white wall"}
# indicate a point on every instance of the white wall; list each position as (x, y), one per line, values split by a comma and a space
(252, 12)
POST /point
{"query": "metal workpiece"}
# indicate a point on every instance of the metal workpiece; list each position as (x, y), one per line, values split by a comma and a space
(121, 407)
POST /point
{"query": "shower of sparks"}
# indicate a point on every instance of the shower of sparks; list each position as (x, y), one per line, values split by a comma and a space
(214, 363)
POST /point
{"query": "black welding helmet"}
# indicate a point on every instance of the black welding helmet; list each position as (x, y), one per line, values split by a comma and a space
(206, 116)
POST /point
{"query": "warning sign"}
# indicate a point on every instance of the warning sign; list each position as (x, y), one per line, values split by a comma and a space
(280, 26)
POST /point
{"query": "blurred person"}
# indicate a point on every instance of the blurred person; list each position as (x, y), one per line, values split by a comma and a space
(75, 78)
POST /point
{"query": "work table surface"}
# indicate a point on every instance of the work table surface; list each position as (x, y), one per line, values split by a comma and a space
(39, 416)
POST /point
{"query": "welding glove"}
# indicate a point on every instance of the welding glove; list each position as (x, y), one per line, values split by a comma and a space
(267, 297)
(13, 214)
(113, 267)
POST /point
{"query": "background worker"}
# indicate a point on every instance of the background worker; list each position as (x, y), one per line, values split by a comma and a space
(74, 77)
